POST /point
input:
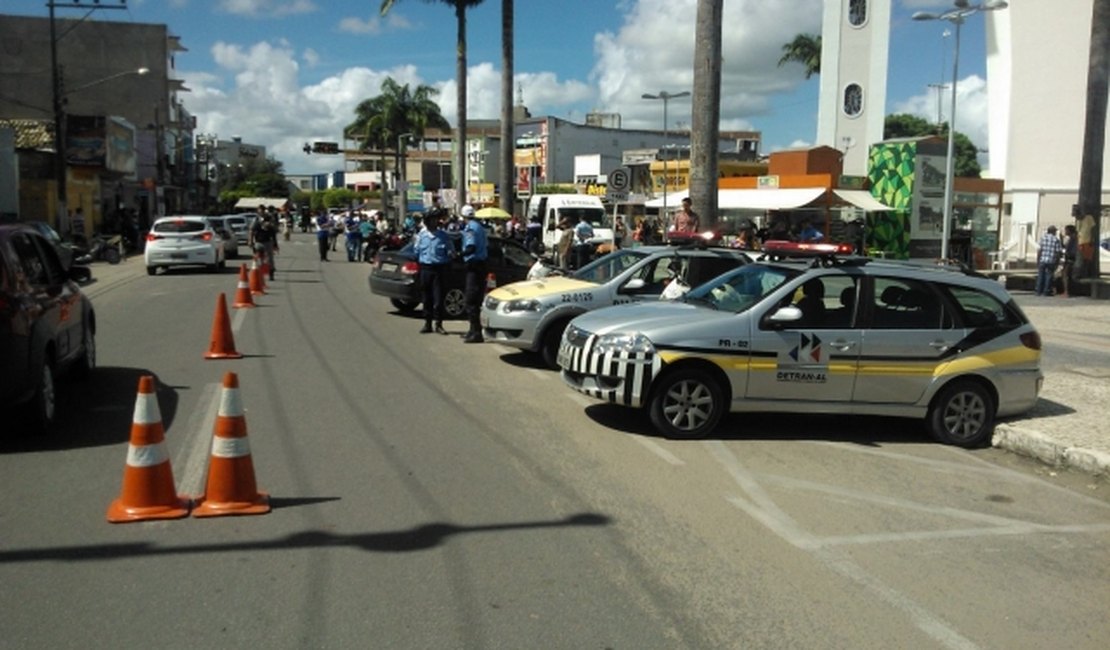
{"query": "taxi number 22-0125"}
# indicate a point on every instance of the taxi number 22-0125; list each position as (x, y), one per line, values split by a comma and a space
(577, 297)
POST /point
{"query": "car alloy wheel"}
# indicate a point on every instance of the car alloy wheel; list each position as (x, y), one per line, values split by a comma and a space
(87, 362)
(454, 303)
(687, 403)
(962, 414)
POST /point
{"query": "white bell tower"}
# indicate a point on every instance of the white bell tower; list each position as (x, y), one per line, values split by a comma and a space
(855, 38)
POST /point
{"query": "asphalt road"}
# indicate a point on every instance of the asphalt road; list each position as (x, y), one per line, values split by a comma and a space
(431, 494)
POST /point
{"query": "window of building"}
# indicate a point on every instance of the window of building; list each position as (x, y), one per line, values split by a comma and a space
(853, 100)
(857, 12)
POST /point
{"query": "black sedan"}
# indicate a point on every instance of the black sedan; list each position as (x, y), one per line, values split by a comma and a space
(396, 274)
(47, 326)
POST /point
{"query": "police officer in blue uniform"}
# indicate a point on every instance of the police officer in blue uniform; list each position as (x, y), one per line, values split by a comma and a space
(475, 252)
(433, 252)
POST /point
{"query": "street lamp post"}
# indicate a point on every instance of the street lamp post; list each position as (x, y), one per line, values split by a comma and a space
(963, 9)
(402, 198)
(666, 97)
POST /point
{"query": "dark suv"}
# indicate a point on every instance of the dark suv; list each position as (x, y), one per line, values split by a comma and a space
(47, 326)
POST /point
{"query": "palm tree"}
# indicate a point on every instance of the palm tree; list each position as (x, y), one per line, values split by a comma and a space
(507, 180)
(804, 49)
(460, 72)
(1094, 135)
(380, 120)
(705, 129)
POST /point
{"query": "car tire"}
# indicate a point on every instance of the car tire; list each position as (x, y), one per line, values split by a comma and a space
(687, 403)
(111, 254)
(962, 414)
(454, 303)
(151, 270)
(549, 347)
(86, 363)
(403, 306)
(40, 410)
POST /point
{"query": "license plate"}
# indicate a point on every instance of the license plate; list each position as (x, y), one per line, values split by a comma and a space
(389, 268)
(563, 358)
(179, 256)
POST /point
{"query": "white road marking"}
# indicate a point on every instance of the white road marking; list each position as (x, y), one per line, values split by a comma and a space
(237, 321)
(541, 374)
(658, 450)
(199, 429)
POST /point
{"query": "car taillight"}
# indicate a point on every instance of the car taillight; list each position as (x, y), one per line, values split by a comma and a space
(151, 236)
(410, 268)
(206, 236)
(1031, 340)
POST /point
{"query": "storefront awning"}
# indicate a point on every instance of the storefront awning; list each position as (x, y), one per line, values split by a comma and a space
(862, 199)
(769, 199)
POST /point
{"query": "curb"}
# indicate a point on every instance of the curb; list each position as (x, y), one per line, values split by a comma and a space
(1034, 444)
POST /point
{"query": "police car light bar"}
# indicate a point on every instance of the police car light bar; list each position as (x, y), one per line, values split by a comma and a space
(797, 249)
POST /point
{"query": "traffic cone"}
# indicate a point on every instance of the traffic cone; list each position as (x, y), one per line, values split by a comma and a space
(222, 343)
(256, 282)
(491, 282)
(242, 290)
(231, 488)
(148, 491)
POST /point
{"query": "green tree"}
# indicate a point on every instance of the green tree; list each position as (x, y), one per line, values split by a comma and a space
(804, 49)
(903, 125)
(1094, 128)
(460, 7)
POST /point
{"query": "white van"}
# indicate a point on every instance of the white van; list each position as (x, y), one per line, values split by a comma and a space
(553, 208)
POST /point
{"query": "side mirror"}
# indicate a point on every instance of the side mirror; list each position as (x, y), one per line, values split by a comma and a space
(783, 317)
(635, 284)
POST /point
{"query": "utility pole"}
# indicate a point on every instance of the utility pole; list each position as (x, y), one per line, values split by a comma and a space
(60, 170)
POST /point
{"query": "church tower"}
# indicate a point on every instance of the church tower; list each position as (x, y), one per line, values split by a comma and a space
(855, 37)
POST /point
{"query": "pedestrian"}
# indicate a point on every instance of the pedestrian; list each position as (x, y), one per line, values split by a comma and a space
(1049, 252)
(619, 230)
(533, 236)
(809, 232)
(583, 233)
(433, 252)
(366, 228)
(323, 233)
(335, 226)
(475, 252)
(263, 239)
(353, 236)
(686, 221)
(1070, 246)
(565, 244)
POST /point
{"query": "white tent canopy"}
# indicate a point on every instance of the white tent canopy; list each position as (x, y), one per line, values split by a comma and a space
(253, 202)
(770, 199)
(673, 199)
(862, 199)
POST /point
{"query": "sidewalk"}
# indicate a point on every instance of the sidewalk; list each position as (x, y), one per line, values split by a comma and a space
(1070, 425)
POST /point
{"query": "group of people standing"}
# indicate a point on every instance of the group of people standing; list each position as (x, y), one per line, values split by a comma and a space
(435, 252)
(1051, 251)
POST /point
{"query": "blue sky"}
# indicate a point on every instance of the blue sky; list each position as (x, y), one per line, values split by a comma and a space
(282, 72)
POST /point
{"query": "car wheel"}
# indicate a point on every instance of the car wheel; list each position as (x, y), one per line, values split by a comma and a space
(40, 410)
(549, 348)
(687, 404)
(112, 255)
(151, 270)
(454, 303)
(86, 363)
(962, 415)
(403, 306)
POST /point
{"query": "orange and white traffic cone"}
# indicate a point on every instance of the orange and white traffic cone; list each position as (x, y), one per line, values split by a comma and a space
(243, 290)
(148, 491)
(222, 343)
(491, 282)
(231, 488)
(257, 278)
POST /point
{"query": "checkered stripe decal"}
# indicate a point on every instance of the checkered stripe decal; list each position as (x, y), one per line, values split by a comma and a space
(635, 370)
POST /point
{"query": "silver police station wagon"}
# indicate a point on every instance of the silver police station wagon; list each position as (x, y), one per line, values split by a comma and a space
(807, 330)
(531, 315)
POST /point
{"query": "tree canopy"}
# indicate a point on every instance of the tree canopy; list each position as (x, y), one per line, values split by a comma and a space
(804, 49)
(903, 125)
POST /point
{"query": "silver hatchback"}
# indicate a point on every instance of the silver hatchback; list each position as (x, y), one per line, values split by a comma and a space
(822, 335)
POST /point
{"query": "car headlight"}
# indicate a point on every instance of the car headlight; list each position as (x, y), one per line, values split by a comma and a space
(629, 342)
(529, 304)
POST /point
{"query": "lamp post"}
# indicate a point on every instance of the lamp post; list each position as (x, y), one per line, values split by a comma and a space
(402, 198)
(666, 97)
(956, 16)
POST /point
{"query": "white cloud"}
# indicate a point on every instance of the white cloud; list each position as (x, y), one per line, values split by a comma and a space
(972, 117)
(353, 25)
(267, 7)
(311, 57)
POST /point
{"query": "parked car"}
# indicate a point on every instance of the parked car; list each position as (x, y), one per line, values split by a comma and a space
(183, 241)
(67, 252)
(532, 315)
(47, 326)
(222, 226)
(396, 275)
(240, 225)
(824, 334)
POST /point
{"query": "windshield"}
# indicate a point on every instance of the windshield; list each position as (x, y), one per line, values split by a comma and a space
(606, 268)
(744, 287)
(594, 216)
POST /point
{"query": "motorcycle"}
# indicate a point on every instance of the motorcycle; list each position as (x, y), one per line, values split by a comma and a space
(103, 248)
